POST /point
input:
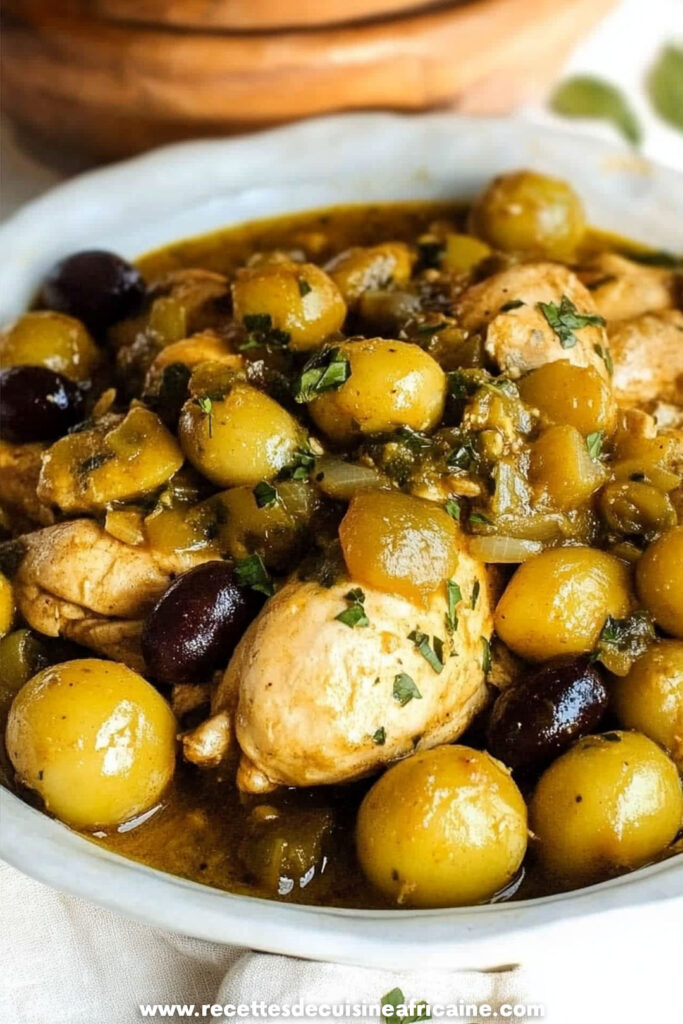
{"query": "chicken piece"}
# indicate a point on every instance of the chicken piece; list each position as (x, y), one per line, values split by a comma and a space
(623, 289)
(519, 337)
(77, 581)
(119, 639)
(319, 702)
(648, 358)
(19, 471)
(208, 744)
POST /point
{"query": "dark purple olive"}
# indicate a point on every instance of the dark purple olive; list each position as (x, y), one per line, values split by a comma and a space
(537, 719)
(196, 625)
(98, 288)
(37, 404)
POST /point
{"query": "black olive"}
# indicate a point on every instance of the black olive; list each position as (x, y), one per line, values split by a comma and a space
(197, 623)
(37, 404)
(94, 286)
(537, 719)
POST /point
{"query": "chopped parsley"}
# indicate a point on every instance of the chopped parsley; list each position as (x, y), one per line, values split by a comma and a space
(326, 371)
(379, 736)
(513, 304)
(594, 443)
(415, 440)
(94, 462)
(453, 596)
(301, 467)
(485, 655)
(606, 357)
(433, 655)
(565, 319)
(461, 384)
(206, 405)
(475, 594)
(462, 457)
(251, 572)
(433, 328)
(354, 615)
(262, 332)
(453, 509)
(621, 638)
(265, 495)
(405, 689)
(479, 517)
(304, 287)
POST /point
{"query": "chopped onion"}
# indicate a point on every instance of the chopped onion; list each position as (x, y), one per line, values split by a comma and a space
(341, 480)
(504, 549)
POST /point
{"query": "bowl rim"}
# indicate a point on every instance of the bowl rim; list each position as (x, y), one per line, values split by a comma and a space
(297, 163)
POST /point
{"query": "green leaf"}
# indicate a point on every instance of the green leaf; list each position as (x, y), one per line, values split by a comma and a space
(485, 655)
(354, 615)
(326, 371)
(304, 287)
(379, 736)
(565, 319)
(594, 443)
(512, 304)
(606, 357)
(251, 572)
(476, 589)
(454, 596)
(300, 468)
(265, 495)
(665, 85)
(586, 96)
(405, 689)
(415, 440)
(257, 322)
(429, 653)
(206, 405)
(453, 509)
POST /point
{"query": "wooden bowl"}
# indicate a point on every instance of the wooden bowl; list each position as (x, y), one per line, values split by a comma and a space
(248, 14)
(108, 89)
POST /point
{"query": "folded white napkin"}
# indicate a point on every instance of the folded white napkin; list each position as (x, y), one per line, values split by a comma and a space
(65, 961)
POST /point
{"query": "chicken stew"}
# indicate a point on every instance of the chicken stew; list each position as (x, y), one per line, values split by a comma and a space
(343, 556)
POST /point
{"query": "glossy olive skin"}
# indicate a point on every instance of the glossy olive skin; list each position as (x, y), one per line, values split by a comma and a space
(37, 404)
(94, 286)
(197, 623)
(540, 717)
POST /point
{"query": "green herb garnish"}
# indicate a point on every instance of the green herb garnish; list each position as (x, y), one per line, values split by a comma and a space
(326, 371)
(565, 319)
(513, 304)
(623, 640)
(594, 443)
(379, 736)
(301, 467)
(265, 495)
(476, 589)
(304, 287)
(462, 457)
(415, 440)
(453, 596)
(251, 572)
(405, 689)
(479, 517)
(485, 655)
(429, 653)
(606, 357)
(206, 405)
(453, 509)
(587, 96)
(396, 999)
(262, 332)
(354, 615)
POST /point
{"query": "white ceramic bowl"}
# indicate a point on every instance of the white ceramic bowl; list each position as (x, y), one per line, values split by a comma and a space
(193, 188)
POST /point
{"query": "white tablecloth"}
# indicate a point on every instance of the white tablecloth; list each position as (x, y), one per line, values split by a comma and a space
(67, 962)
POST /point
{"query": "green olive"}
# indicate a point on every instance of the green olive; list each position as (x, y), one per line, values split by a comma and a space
(558, 601)
(444, 828)
(650, 697)
(530, 213)
(94, 739)
(610, 804)
(244, 437)
(658, 580)
(391, 384)
(575, 395)
(298, 299)
(53, 340)
(6, 605)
